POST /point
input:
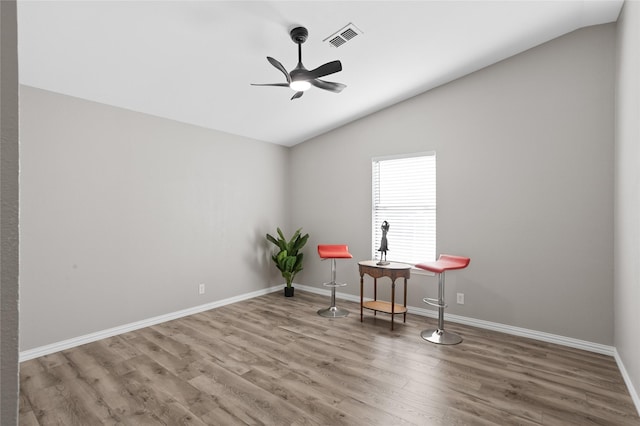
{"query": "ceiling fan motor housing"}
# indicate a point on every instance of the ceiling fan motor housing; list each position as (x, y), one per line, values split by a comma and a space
(299, 35)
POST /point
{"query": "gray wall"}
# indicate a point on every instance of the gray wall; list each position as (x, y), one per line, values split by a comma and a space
(124, 214)
(525, 187)
(8, 214)
(627, 203)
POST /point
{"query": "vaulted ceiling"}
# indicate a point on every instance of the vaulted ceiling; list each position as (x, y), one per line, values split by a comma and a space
(193, 61)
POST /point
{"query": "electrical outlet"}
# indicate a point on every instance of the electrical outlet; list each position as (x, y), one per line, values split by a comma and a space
(460, 299)
(201, 289)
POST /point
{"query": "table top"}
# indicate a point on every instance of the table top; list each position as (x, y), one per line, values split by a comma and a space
(391, 265)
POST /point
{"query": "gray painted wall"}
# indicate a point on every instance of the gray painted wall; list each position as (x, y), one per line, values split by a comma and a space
(525, 187)
(124, 214)
(627, 205)
(9, 124)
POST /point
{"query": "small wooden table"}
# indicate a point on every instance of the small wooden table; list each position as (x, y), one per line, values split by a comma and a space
(393, 271)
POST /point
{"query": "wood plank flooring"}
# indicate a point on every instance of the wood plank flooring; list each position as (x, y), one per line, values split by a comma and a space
(273, 361)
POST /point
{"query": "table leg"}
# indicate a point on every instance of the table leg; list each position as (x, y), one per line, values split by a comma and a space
(393, 301)
(405, 301)
(361, 295)
(375, 293)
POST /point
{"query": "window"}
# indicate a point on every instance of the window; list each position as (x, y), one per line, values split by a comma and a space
(404, 194)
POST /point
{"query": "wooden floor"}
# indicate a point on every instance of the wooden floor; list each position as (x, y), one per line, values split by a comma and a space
(274, 361)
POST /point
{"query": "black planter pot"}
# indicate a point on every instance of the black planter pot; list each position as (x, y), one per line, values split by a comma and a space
(288, 291)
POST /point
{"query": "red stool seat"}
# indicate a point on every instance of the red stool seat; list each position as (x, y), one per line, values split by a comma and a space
(444, 263)
(334, 251)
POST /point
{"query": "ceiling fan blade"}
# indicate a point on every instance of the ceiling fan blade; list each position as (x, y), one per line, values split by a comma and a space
(297, 95)
(271, 84)
(278, 65)
(328, 85)
(326, 69)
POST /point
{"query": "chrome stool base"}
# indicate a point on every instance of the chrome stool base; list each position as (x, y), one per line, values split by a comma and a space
(441, 337)
(333, 312)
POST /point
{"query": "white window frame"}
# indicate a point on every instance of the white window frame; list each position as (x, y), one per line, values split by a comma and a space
(411, 214)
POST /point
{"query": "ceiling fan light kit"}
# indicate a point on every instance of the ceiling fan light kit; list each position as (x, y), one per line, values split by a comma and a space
(301, 79)
(300, 85)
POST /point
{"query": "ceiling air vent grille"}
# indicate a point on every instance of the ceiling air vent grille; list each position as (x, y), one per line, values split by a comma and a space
(343, 35)
(337, 41)
(348, 34)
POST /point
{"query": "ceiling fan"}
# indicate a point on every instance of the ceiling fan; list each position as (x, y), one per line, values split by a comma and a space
(300, 78)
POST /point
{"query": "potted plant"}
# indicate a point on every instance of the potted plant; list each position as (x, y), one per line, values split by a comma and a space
(288, 259)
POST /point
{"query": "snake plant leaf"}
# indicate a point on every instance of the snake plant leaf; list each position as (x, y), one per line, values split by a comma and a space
(290, 263)
(298, 264)
(299, 243)
(279, 242)
(281, 257)
(271, 239)
(293, 239)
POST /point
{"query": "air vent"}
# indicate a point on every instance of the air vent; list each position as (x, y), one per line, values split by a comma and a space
(342, 36)
(337, 41)
(348, 34)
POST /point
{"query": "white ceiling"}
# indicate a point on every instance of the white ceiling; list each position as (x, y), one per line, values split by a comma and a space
(194, 61)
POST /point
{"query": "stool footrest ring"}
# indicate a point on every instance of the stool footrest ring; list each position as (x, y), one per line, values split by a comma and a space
(334, 284)
(434, 302)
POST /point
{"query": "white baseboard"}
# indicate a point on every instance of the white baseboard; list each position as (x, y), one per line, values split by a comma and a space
(627, 380)
(92, 337)
(518, 331)
(508, 329)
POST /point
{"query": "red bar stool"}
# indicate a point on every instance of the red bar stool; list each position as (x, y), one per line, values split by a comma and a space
(333, 252)
(444, 263)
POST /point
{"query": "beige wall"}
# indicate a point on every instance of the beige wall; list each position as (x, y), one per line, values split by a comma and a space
(124, 214)
(525, 187)
(9, 124)
(627, 203)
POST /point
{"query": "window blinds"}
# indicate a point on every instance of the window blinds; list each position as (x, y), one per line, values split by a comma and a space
(404, 194)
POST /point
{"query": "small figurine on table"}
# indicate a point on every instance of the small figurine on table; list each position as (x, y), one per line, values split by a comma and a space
(384, 245)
